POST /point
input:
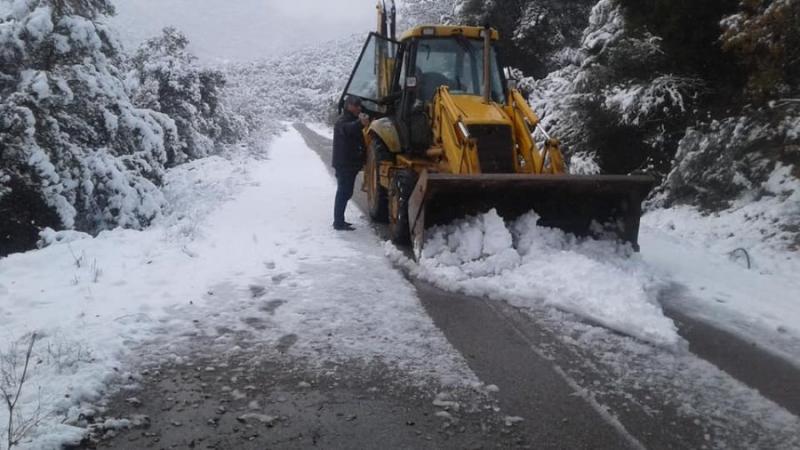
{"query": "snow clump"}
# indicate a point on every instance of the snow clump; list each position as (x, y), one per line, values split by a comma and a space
(531, 266)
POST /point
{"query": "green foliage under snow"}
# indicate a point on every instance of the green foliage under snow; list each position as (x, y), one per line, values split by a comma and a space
(79, 147)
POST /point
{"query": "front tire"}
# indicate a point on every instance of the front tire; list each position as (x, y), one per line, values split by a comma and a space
(377, 195)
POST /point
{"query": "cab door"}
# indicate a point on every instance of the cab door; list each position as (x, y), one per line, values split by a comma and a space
(373, 77)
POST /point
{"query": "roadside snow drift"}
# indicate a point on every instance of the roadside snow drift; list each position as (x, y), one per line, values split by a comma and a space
(529, 265)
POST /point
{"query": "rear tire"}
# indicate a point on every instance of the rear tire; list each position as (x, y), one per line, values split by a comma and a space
(403, 183)
(377, 195)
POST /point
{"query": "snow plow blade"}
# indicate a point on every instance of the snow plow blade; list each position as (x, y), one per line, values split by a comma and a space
(584, 205)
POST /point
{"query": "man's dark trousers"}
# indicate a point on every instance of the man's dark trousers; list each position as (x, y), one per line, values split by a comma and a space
(345, 183)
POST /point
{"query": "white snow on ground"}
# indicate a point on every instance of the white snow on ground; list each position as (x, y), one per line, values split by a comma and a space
(246, 225)
(528, 265)
(708, 254)
(238, 222)
(606, 283)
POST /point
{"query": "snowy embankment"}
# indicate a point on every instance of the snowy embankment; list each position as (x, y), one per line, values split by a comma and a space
(248, 238)
(528, 265)
(735, 264)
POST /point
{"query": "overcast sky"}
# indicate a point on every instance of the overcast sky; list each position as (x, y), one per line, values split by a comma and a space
(245, 29)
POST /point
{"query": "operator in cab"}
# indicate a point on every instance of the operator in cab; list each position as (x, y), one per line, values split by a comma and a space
(348, 157)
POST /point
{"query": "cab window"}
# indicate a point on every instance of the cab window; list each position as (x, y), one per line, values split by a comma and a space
(458, 64)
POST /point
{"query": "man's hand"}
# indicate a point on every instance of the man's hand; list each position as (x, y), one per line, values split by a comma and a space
(364, 119)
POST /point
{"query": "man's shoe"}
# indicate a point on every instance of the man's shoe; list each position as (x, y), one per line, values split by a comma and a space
(343, 227)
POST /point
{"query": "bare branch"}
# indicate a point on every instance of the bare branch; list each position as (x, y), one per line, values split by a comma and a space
(8, 385)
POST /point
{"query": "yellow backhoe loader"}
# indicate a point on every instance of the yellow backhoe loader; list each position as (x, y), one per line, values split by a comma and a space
(451, 138)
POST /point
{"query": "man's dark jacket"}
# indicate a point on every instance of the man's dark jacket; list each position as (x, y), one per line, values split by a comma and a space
(348, 143)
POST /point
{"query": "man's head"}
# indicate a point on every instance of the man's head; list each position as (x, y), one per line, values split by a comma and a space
(352, 104)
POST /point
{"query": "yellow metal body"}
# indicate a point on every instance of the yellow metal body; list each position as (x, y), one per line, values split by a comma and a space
(387, 132)
(453, 150)
(548, 160)
(385, 62)
(447, 31)
(453, 115)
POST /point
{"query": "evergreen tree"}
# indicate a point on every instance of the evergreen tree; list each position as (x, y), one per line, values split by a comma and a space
(72, 144)
(765, 35)
(167, 78)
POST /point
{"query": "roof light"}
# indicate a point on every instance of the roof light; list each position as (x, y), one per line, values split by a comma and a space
(429, 31)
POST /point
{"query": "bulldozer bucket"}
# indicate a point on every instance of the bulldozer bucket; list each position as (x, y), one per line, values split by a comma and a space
(578, 204)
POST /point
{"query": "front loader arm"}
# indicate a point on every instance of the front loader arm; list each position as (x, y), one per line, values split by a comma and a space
(525, 121)
(451, 133)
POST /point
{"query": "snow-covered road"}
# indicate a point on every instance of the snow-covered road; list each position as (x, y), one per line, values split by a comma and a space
(247, 250)
(640, 382)
(247, 237)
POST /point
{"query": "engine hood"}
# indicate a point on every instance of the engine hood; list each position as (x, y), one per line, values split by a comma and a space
(474, 112)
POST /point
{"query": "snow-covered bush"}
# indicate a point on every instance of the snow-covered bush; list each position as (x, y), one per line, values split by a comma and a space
(719, 162)
(166, 78)
(637, 103)
(72, 143)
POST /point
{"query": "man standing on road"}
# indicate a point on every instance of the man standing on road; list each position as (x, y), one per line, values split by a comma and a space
(348, 156)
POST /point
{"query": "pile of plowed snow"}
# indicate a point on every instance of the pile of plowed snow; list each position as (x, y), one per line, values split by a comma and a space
(528, 266)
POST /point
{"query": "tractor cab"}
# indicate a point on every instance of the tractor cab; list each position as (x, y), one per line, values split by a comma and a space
(399, 79)
(455, 62)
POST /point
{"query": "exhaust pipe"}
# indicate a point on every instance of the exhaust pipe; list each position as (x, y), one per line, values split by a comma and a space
(393, 27)
(487, 64)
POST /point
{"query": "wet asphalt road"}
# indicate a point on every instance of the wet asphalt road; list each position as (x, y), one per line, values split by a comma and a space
(605, 393)
(236, 403)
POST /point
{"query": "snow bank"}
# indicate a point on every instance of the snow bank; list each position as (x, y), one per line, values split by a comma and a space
(90, 299)
(528, 265)
(735, 262)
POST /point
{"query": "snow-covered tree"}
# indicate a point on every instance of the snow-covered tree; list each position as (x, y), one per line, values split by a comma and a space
(765, 35)
(166, 78)
(616, 101)
(72, 143)
(418, 12)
